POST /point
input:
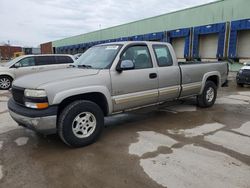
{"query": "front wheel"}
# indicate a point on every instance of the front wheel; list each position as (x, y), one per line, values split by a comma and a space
(80, 123)
(208, 96)
(5, 82)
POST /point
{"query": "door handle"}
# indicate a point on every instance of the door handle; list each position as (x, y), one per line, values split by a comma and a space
(152, 75)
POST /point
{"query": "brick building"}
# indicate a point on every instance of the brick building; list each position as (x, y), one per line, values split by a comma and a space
(7, 52)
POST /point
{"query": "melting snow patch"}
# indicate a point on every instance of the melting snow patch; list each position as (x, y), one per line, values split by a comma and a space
(21, 141)
(232, 141)
(7, 123)
(193, 166)
(198, 131)
(244, 129)
(149, 141)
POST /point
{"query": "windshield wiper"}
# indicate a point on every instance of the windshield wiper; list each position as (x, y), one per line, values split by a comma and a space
(84, 66)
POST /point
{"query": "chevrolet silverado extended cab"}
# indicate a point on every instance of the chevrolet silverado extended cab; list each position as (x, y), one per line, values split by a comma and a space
(107, 79)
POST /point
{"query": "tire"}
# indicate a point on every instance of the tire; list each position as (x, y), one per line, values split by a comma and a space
(80, 123)
(5, 82)
(240, 85)
(208, 96)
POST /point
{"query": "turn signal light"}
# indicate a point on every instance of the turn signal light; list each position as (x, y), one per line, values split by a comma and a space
(36, 105)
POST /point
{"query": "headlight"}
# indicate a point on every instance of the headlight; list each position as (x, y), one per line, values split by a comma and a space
(35, 93)
(36, 99)
(240, 71)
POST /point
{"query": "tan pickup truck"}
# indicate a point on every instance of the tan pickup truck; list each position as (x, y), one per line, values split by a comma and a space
(108, 79)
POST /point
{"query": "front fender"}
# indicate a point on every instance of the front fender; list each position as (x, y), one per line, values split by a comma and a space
(60, 96)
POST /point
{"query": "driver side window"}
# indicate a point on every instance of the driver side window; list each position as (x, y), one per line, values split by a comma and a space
(139, 55)
(26, 62)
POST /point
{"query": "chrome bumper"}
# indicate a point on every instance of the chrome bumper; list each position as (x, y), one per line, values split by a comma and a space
(44, 125)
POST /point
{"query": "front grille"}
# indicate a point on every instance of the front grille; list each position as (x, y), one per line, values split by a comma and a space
(18, 94)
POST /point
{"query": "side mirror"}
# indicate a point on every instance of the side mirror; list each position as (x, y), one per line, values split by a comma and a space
(125, 65)
(17, 65)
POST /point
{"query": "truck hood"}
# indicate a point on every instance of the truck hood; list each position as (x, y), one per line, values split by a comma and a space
(33, 81)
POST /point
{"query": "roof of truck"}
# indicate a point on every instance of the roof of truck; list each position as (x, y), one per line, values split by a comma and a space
(133, 42)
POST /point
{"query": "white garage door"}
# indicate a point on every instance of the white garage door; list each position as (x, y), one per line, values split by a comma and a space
(208, 45)
(179, 45)
(243, 45)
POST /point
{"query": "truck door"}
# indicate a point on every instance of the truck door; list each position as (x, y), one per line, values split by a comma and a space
(137, 87)
(169, 75)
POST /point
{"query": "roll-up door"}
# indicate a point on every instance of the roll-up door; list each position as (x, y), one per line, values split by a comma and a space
(243, 44)
(179, 47)
(208, 45)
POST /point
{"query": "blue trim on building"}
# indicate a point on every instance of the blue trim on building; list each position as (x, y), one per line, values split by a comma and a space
(236, 26)
(137, 38)
(159, 36)
(181, 33)
(122, 39)
(219, 28)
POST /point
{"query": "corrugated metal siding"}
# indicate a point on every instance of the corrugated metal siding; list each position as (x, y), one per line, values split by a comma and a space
(221, 11)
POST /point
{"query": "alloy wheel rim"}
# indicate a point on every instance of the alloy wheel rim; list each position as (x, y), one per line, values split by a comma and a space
(84, 125)
(4, 83)
(210, 94)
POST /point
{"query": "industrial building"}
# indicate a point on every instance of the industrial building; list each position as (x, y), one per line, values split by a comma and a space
(7, 51)
(217, 30)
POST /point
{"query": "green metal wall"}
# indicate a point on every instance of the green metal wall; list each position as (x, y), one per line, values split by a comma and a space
(219, 11)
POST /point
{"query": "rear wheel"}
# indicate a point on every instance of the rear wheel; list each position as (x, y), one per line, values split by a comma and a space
(5, 82)
(208, 96)
(80, 123)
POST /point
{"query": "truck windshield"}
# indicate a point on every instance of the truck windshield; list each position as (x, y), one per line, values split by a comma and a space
(98, 57)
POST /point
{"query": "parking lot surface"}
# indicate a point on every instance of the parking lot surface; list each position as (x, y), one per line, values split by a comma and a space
(172, 145)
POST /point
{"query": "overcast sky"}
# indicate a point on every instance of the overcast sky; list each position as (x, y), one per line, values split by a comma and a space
(31, 22)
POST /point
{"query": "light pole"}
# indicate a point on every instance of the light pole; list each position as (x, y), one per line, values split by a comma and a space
(9, 49)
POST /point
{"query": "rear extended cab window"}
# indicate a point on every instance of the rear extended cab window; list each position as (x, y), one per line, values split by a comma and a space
(63, 60)
(163, 55)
